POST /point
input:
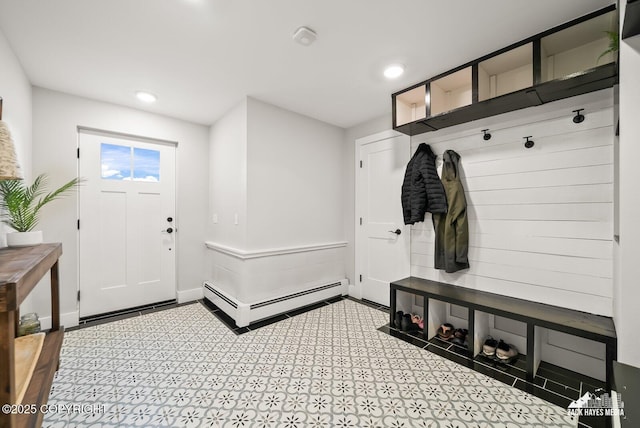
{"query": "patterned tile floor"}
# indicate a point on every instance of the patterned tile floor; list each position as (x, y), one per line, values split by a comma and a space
(329, 367)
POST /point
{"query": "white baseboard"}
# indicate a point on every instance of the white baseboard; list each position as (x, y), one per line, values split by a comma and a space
(245, 313)
(68, 319)
(190, 295)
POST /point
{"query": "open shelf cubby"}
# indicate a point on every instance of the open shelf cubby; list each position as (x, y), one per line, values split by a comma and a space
(506, 73)
(577, 48)
(411, 105)
(450, 92)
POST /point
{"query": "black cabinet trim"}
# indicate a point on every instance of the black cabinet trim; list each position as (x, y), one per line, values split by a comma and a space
(537, 62)
(475, 90)
(631, 25)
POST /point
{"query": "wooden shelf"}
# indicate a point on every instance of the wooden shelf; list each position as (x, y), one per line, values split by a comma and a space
(20, 271)
(38, 391)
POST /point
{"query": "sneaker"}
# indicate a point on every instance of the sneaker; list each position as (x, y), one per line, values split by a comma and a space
(506, 353)
(489, 347)
(417, 319)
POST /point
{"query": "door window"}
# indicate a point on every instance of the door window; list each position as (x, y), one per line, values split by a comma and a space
(129, 163)
(146, 164)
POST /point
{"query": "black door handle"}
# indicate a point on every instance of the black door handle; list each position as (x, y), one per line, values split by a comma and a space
(397, 231)
(168, 230)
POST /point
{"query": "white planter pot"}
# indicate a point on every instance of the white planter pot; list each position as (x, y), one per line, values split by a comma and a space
(24, 239)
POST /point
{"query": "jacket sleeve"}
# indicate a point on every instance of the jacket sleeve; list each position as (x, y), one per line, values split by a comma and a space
(433, 195)
(462, 237)
(406, 193)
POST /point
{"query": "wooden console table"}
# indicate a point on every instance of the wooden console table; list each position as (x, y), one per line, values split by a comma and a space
(20, 270)
(534, 315)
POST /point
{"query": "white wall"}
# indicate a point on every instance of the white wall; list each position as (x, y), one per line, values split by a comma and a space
(627, 316)
(540, 219)
(293, 194)
(56, 117)
(228, 178)
(295, 179)
(15, 91)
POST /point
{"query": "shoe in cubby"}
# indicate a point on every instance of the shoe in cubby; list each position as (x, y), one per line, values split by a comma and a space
(506, 353)
(489, 347)
(445, 332)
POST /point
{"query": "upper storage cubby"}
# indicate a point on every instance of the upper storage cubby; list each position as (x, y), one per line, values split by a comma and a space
(577, 48)
(450, 92)
(505, 73)
(411, 105)
(559, 63)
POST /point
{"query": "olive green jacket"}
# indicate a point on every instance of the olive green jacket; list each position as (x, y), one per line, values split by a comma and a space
(452, 228)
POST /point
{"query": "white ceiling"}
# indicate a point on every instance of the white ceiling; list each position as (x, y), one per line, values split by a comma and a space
(201, 57)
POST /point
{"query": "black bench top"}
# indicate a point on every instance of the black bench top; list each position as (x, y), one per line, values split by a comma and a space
(590, 326)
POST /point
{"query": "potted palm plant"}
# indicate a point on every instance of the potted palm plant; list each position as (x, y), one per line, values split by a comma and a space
(20, 207)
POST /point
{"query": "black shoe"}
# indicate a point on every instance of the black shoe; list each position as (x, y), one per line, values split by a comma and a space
(398, 320)
(407, 324)
(460, 337)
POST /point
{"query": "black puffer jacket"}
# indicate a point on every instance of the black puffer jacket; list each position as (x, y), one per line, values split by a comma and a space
(422, 189)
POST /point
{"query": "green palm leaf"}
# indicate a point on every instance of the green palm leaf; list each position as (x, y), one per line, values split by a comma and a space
(614, 44)
(21, 204)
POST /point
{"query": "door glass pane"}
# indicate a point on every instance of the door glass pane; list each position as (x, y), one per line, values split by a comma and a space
(115, 162)
(146, 164)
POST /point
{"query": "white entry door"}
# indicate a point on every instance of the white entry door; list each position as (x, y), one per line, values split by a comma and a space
(127, 222)
(382, 239)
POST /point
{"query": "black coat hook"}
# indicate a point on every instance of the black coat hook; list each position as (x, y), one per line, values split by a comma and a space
(529, 143)
(485, 135)
(578, 118)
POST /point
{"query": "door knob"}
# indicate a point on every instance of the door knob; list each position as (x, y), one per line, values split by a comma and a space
(168, 230)
(397, 231)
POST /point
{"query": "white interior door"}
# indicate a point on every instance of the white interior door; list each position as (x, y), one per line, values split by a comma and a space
(127, 223)
(382, 254)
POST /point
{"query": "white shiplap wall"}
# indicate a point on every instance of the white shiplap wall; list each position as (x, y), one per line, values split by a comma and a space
(540, 219)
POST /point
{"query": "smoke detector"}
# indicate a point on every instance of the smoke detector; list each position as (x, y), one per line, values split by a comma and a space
(305, 36)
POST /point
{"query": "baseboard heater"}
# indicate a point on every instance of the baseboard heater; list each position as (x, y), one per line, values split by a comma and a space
(245, 313)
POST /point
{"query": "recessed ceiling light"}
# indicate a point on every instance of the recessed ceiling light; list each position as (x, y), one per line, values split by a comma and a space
(394, 71)
(146, 97)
